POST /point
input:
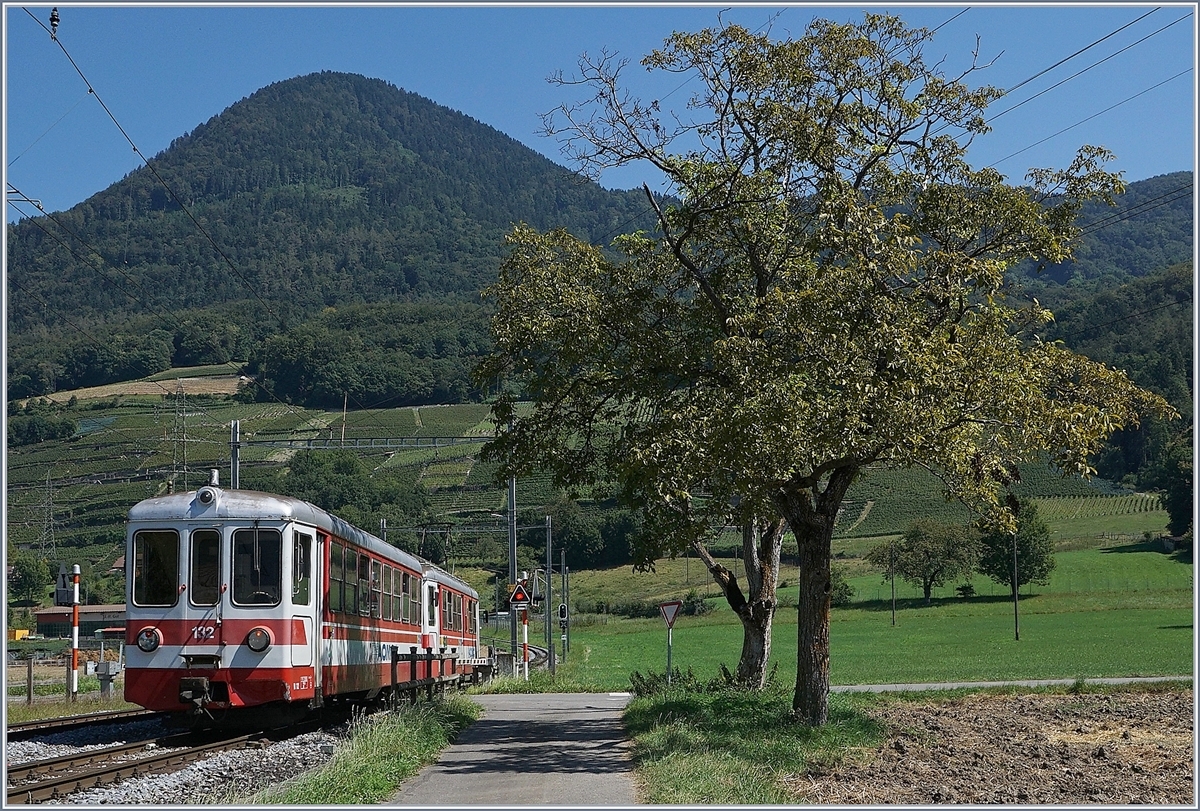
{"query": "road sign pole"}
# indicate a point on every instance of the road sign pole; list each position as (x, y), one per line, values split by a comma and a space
(525, 641)
(670, 610)
(668, 655)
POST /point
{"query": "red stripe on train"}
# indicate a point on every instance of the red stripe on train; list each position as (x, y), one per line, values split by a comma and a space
(231, 631)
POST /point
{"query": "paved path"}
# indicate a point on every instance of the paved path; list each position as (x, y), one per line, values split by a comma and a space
(545, 749)
(569, 749)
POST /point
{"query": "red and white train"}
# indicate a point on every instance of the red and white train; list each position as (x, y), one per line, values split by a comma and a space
(237, 599)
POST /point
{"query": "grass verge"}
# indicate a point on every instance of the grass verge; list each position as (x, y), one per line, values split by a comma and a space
(19, 712)
(540, 681)
(382, 750)
(727, 746)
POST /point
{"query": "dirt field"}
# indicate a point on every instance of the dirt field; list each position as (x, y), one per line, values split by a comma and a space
(224, 384)
(1102, 748)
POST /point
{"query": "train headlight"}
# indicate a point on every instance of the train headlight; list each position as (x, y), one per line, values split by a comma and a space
(258, 640)
(148, 640)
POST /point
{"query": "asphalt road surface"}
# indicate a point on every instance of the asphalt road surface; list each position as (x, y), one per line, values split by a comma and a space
(544, 749)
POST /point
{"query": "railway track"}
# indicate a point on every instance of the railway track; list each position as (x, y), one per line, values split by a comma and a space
(56, 778)
(29, 729)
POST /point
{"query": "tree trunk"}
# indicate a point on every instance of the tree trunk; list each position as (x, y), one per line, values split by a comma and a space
(756, 620)
(928, 592)
(811, 512)
(810, 702)
(761, 548)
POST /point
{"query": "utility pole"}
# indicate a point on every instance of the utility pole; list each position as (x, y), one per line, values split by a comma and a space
(47, 533)
(548, 599)
(566, 621)
(512, 555)
(1016, 589)
(345, 403)
(235, 444)
(892, 572)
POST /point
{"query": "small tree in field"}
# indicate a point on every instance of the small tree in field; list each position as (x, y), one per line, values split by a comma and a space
(929, 554)
(1035, 551)
(30, 577)
(828, 294)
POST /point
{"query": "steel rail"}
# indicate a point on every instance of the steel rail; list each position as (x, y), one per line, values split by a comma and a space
(27, 729)
(59, 786)
(25, 772)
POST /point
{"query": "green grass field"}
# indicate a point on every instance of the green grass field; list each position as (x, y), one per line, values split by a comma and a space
(1124, 610)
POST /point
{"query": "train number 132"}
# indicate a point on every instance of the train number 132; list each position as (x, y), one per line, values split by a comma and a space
(204, 632)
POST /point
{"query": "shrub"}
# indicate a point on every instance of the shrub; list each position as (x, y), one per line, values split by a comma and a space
(694, 605)
(841, 592)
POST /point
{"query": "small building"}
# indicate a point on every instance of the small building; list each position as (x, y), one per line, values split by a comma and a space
(55, 623)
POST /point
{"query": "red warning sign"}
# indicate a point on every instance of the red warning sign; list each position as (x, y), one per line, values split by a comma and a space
(670, 610)
(520, 596)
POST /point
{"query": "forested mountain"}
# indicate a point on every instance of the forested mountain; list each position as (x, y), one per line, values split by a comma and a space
(353, 225)
(324, 190)
(1149, 228)
(1145, 328)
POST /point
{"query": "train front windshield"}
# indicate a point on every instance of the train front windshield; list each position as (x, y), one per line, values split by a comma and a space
(163, 568)
(257, 566)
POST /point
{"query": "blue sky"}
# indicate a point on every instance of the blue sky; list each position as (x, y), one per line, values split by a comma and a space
(162, 70)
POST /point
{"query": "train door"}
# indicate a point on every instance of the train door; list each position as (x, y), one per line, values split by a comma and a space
(430, 596)
(305, 574)
(200, 592)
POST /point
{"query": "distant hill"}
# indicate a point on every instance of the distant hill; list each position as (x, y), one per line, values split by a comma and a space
(321, 191)
(334, 202)
(1143, 327)
(1149, 229)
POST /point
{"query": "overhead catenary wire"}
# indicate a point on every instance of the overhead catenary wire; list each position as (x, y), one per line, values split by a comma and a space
(1090, 117)
(47, 131)
(154, 171)
(1085, 70)
(612, 233)
(96, 252)
(1161, 200)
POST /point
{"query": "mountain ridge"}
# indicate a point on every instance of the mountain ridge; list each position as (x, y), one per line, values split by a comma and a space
(337, 191)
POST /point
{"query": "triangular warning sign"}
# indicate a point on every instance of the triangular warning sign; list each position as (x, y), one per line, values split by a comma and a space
(519, 595)
(670, 610)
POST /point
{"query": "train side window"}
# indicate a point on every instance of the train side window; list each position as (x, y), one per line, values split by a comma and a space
(406, 598)
(156, 567)
(385, 596)
(364, 585)
(204, 572)
(398, 598)
(375, 608)
(301, 568)
(433, 604)
(350, 598)
(257, 566)
(335, 577)
(471, 627)
(414, 602)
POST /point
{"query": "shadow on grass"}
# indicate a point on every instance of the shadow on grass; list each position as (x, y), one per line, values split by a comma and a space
(1144, 546)
(919, 602)
(1182, 554)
